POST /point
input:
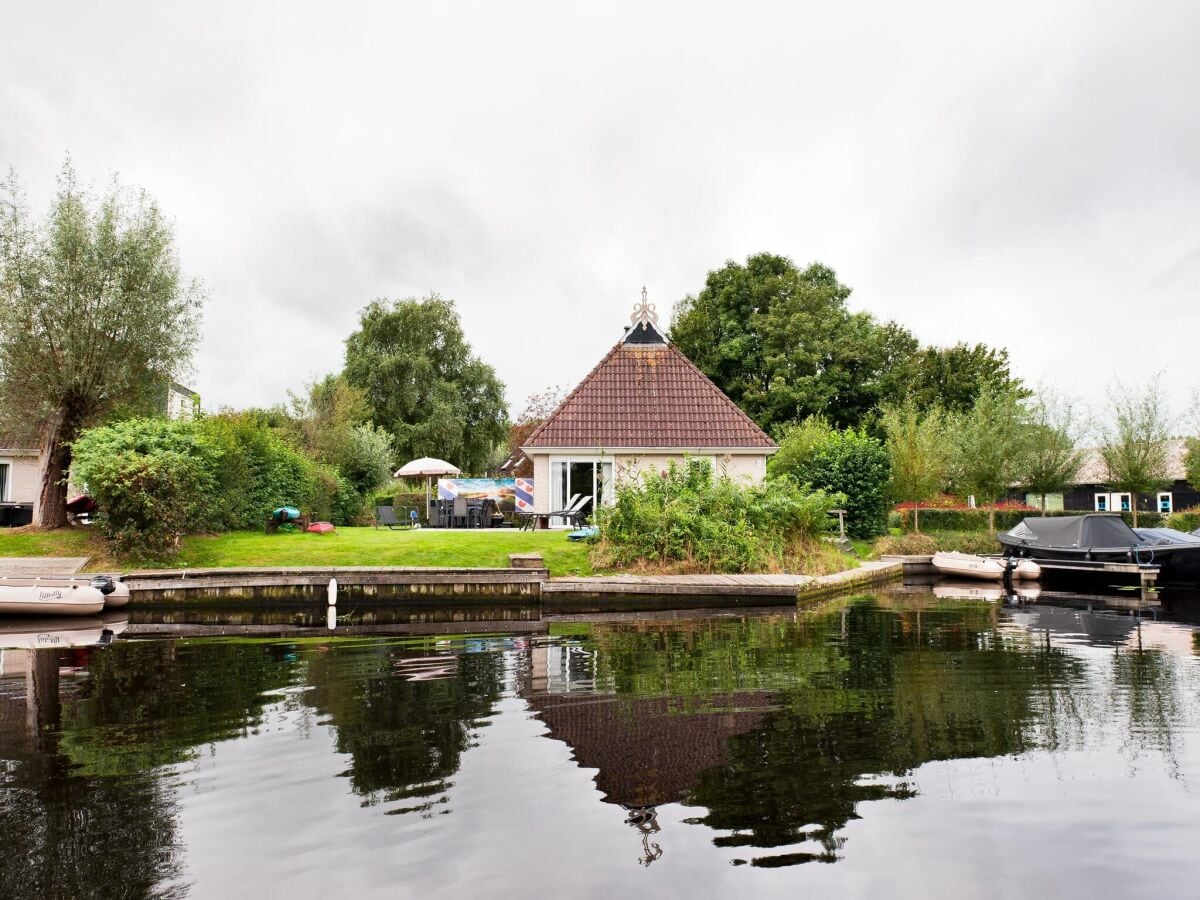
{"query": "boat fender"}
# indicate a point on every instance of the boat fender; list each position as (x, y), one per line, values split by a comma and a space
(332, 592)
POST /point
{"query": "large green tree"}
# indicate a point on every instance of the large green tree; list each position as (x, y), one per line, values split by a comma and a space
(1135, 446)
(95, 316)
(782, 344)
(951, 377)
(424, 385)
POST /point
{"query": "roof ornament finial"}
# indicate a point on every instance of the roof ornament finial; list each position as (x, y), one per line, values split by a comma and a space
(644, 313)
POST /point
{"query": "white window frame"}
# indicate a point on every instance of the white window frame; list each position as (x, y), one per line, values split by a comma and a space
(1170, 502)
(1116, 502)
(607, 498)
(6, 483)
(1103, 503)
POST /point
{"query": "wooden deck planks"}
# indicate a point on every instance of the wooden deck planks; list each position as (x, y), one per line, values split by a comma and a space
(42, 565)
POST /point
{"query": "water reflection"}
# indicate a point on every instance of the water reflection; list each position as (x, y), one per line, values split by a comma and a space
(404, 719)
(779, 729)
(765, 736)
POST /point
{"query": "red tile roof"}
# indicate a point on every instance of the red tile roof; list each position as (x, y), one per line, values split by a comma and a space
(10, 441)
(648, 395)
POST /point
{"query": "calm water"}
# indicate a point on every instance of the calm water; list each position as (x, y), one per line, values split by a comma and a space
(900, 745)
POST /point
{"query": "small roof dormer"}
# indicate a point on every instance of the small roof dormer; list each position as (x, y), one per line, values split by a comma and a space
(644, 328)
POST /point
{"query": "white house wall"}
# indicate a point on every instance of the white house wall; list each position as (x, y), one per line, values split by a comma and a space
(23, 478)
(745, 468)
(541, 482)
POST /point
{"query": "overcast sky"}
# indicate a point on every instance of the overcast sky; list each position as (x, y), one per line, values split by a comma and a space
(1023, 174)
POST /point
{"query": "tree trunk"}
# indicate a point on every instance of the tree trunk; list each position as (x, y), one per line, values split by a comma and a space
(1043, 504)
(916, 519)
(1133, 506)
(43, 710)
(54, 465)
(992, 519)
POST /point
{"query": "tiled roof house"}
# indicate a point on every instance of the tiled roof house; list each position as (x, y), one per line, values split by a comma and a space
(18, 479)
(644, 405)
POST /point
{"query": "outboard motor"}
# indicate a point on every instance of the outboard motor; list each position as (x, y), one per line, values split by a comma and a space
(104, 584)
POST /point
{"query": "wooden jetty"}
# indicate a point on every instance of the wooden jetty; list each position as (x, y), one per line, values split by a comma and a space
(310, 584)
(525, 584)
(1145, 575)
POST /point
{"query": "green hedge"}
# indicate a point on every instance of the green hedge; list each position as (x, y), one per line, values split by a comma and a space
(848, 462)
(1185, 519)
(962, 520)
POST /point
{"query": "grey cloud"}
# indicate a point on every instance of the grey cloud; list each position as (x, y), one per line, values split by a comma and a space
(1024, 175)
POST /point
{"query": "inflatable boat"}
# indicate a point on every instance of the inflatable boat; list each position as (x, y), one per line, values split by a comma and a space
(985, 568)
(49, 597)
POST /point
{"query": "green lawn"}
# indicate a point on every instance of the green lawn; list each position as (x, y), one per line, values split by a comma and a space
(347, 547)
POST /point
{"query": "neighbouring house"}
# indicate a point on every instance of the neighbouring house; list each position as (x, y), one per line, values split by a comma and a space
(181, 403)
(1093, 493)
(643, 406)
(18, 480)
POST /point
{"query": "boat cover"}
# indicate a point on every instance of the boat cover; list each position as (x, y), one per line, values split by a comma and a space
(1167, 536)
(1091, 530)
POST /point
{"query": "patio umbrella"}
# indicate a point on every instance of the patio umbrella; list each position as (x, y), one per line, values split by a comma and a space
(428, 467)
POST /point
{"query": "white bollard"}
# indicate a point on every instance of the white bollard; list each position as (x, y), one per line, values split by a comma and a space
(333, 592)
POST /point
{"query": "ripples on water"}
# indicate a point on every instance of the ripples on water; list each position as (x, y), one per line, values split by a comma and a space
(923, 746)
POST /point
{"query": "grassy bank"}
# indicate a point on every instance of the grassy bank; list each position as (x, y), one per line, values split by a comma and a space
(348, 547)
(933, 541)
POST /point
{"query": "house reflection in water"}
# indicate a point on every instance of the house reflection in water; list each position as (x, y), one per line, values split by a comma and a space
(647, 751)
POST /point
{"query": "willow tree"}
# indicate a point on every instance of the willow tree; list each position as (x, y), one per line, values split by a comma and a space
(1136, 445)
(920, 447)
(95, 317)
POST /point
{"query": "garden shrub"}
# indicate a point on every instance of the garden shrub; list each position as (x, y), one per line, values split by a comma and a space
(846, 462)
(909, 544)
(152, 480)
(926, 543)
(155, 479)
(1184, 520)
(400, 494)
(684, 518)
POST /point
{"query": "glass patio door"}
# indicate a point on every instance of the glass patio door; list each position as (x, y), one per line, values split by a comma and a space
(580, 483)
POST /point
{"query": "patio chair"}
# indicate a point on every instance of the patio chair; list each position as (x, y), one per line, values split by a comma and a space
(529, 520)
(386, 516)
(575, 514)
(459, 513)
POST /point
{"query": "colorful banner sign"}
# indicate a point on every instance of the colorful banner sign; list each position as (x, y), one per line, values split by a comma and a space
(524, 494)
(476, 488)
